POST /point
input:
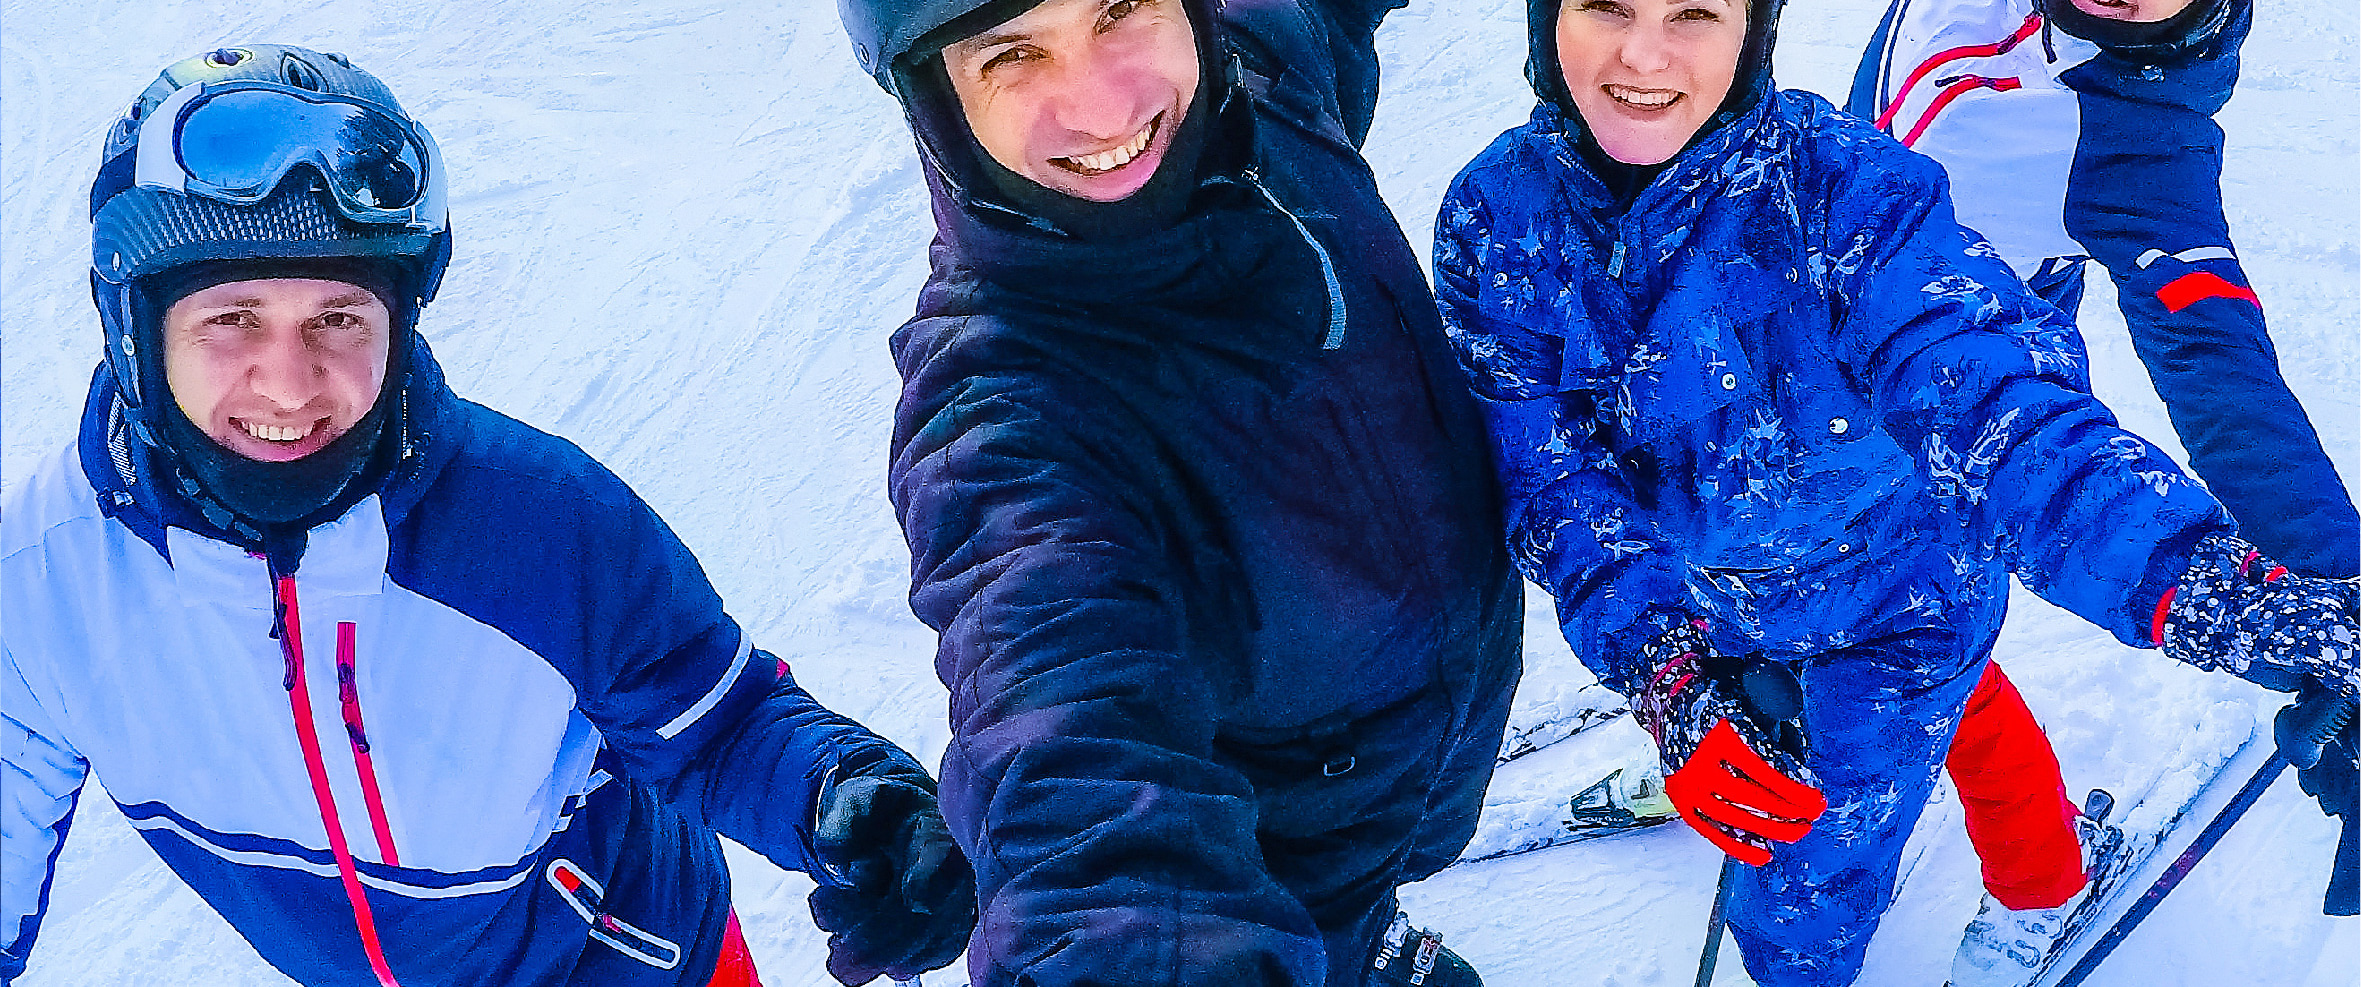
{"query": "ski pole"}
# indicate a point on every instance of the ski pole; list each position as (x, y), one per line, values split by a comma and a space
(2299, 734)
(1713, 925)
(2171, 878)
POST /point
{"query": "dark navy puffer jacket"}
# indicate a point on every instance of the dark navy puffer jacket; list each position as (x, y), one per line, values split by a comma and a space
(1208, 525)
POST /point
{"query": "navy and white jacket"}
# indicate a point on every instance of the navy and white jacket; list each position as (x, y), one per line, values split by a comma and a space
(1785, 390)
(517, 694)
(2060, 151)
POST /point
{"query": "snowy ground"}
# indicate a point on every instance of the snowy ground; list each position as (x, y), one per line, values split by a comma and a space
(686, 229)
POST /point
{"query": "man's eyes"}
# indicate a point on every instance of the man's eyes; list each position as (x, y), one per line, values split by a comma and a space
(1008, 57)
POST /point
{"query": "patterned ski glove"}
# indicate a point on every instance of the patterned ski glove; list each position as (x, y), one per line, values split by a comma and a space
(1730, 733)
(2236, 611)
(897, 897)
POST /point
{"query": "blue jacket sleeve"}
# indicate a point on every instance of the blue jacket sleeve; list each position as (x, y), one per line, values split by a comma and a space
(1574, 524)
(40, 781)
(1988, 387)
(1111, 848)
(528, 534)
(757, 780)
(1351, 28)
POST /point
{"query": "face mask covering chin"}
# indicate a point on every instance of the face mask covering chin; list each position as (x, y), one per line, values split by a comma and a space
(266, 494)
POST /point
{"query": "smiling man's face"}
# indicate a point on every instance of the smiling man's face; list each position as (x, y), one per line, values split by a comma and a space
(276, 369)
(1646, 74)
(1079, 96)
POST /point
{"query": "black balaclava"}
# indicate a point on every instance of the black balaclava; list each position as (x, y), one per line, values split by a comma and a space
(1749, 86)
(2151, 41)
(267, 496)
(1156, 205)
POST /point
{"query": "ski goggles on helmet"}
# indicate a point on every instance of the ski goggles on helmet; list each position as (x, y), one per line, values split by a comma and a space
(235, 141)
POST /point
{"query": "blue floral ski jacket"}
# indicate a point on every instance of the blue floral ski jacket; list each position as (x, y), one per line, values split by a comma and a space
(1786, 391)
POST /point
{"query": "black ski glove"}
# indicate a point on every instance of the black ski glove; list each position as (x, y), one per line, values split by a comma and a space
(2238, 612)
(2319, 735)
(898, 897)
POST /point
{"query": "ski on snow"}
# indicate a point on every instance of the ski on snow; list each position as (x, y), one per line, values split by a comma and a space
(1628, 798)
(1591, 706)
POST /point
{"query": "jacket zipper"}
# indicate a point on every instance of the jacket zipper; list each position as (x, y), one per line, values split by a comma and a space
(287, 626)
(348, 696)
(1336, 310)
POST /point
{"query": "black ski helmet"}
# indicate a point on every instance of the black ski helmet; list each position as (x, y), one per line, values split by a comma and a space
(885, 32)
(304, 205)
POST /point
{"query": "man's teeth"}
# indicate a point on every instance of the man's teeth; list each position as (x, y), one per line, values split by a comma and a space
(1109, 160)
(277, 433)
(1646, 99)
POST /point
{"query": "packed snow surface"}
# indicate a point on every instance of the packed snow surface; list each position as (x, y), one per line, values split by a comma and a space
(685, 231)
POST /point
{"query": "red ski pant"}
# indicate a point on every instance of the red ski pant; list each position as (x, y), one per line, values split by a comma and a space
(2019, 816)
(737, 965)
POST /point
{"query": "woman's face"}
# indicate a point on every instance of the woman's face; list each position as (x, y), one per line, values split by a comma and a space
(1647, 74)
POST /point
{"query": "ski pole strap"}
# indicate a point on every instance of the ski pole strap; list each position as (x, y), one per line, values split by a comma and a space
(2171, 878)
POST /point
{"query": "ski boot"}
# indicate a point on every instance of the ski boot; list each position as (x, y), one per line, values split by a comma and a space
(1409, 957)
(1621, 800)
(2008, 947)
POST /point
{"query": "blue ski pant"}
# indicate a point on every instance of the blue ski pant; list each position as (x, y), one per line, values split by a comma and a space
(1879, 718)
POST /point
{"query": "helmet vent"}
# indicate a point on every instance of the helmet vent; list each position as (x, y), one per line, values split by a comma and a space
(301, 75)
(226, 57)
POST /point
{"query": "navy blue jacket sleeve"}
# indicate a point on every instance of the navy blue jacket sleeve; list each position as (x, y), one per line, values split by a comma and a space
(2145, 198)
(1110, 848)
(1988, 387)
(1351, 34)
(528, 534)
(1574, 524)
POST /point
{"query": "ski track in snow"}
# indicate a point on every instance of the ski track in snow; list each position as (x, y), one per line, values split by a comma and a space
(685, 230)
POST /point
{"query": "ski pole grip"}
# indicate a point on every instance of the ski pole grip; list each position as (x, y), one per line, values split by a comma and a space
(2304, 728)
(1772, 689)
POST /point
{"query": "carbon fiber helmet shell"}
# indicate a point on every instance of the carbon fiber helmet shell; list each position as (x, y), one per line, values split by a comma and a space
(138, 231)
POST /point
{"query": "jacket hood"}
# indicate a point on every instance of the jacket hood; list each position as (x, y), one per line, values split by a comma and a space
(1747, 90)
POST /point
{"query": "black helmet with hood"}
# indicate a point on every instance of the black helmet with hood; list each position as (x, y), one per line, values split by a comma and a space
(899, 43)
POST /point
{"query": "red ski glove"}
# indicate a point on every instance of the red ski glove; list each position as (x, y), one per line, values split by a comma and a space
(1738, 801)
(1714, 717)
